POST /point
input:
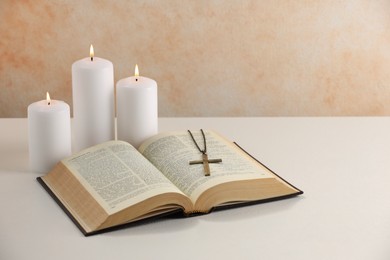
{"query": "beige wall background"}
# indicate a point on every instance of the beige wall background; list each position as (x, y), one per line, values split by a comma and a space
(209, 58)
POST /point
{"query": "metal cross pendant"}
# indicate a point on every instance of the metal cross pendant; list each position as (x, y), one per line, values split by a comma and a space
(205, 161)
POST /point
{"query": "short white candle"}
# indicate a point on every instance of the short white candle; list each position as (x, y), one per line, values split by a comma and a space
(49, 134)
(137, 111)
(93, 101)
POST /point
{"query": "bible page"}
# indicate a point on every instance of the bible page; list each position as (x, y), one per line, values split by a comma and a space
(172, 152)
(117, 175)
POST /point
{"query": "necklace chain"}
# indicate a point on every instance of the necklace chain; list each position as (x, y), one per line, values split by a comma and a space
(204, 151)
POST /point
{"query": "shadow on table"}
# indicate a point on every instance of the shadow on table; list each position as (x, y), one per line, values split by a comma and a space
(13, 159)
(253, 210)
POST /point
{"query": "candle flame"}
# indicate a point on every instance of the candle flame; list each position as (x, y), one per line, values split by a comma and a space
(48, 100)
(136, 73)
(91, 52)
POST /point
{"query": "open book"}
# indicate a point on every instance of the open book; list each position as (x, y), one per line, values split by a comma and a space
(112, 184)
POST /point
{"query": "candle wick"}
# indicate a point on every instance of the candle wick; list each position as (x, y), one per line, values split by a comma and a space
(48, 103)
(92, 58)
(136, 79)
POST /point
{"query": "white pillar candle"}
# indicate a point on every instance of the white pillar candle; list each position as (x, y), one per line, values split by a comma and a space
(49, 134)
(137, 111)
(93, 101)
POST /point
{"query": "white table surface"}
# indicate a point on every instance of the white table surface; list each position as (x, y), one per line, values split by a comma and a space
(342, 165)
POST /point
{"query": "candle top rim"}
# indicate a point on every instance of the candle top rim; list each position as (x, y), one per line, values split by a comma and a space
(86, 63)
(143, 82)
(55, 105)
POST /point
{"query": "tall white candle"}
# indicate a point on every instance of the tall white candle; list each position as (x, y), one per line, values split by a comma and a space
(49, 135)
(93, 101)
(137, 111)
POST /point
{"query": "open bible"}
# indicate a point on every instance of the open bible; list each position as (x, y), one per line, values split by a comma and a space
(113, 184)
